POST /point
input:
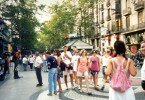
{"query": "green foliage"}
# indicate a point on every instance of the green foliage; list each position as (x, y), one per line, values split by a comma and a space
(21, 15)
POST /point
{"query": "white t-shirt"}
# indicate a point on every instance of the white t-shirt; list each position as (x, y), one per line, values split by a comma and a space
(143, 71)
(25, 60)
(65, 59)
(105, 60)
(38, 61)
(74, 61)
(31, 59)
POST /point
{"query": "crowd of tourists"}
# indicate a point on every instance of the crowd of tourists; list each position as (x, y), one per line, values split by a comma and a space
(80, 65)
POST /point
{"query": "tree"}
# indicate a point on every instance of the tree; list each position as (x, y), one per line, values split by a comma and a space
(61, 24)
(21, 14)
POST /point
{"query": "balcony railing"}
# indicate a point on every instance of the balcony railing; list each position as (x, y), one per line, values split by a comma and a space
(136, 27)
(108, 17)
(139, 5)
(102, 7)
(127, 11)
(102, 21)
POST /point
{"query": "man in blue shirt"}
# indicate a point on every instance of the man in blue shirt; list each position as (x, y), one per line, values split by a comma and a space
(52, 73)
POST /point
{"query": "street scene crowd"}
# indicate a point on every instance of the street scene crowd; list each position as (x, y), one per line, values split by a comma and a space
(116, 68)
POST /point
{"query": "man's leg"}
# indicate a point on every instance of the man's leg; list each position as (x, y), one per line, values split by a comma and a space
(55, 80)
(39, 76)
(50, 82)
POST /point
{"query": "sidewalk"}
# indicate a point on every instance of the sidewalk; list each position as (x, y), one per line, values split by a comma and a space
(73, 94)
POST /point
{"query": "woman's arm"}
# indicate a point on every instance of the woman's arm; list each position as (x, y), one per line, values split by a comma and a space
(132, 69)
(109, 68)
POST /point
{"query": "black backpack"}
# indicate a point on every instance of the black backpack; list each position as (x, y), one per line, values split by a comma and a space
(62, 66)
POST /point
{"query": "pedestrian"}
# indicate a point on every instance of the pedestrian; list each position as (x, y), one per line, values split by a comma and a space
(15, 59)
(6, 64)
(143, 66)
(25, 62)
(119, 69)
(31, 61)
(52, 73)
(66, 58)
(94, 68)
(82, 70)
(38, 67)
(74, 61)
(105, 60)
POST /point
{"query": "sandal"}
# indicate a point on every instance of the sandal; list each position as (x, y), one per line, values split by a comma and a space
(96, 88)
(89, 93)
(80, 91)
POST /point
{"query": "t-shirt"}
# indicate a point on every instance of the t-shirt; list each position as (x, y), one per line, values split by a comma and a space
(94, 63)
(38, 61)
(83, 61)
(25, 60)
(52, 62)
(105, 60)
(65, 59)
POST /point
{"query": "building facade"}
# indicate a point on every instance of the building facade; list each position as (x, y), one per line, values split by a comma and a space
(120, 20)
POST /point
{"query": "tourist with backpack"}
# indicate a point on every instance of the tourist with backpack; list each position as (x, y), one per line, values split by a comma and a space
(119, 69)
(143, 67)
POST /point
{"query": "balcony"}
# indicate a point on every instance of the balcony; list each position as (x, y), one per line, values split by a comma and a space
(102, 7)
(127, 11)
(135, 28)
(139, 6)
(108, 18)
(102, 21)
(108, 3)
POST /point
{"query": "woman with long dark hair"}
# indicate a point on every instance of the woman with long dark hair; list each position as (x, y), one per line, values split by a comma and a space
(119, 69)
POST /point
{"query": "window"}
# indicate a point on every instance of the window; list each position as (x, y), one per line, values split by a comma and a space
(127, 22)
(140, 17)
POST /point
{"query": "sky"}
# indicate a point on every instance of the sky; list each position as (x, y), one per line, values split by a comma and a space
(44, 16)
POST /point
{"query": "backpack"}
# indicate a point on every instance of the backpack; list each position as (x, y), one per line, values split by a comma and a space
(120, 79)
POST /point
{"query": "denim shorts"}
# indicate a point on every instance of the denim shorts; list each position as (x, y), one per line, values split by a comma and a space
(59, 74)
(92, 72)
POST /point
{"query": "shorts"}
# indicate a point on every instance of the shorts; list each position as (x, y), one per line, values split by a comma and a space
(143, 84)
(103, 69)
(81, 74)
(59, 74)
(92, 72)
(66, 72)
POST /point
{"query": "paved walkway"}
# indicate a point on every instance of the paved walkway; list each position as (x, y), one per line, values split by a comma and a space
(25, 89)
(73, 94)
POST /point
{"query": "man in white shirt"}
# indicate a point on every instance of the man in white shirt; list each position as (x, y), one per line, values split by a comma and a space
(38, 66)
(25, 62)
(66, 58)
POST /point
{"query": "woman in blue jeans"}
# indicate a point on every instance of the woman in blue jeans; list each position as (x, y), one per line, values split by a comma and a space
(52, 73)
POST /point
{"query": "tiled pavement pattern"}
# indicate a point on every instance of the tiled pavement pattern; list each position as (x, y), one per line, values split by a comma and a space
(25, 89)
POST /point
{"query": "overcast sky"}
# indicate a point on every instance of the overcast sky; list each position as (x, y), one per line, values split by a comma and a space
(43, 16)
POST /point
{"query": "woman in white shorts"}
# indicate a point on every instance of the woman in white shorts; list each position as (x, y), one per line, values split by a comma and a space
(83, 71)
(74, 62)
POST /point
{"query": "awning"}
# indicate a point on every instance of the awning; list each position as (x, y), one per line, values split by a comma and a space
(79, 44)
